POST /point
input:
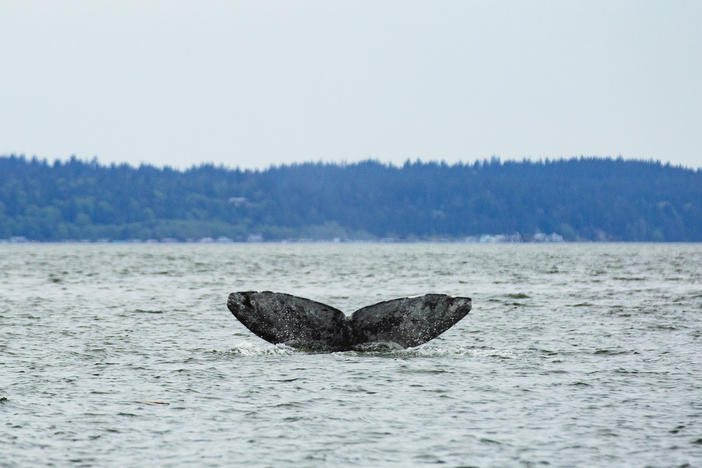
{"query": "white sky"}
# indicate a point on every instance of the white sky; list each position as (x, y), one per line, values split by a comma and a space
(257, 83)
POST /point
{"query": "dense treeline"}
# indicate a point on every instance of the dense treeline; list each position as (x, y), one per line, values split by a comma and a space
(585, 198)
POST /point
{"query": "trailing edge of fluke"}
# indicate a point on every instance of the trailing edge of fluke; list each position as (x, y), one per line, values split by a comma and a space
(303, 323)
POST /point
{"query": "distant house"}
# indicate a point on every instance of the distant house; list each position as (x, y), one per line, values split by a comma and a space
(553, 237)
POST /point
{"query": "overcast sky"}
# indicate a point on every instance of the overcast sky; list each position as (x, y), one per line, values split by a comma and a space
(256, 83)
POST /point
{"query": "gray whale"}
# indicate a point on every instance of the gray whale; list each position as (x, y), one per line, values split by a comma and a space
(303, 323)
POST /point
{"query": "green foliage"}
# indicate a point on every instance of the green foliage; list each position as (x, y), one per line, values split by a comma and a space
(581, 199)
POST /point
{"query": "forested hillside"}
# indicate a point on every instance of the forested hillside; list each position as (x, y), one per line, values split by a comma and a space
(580, 199)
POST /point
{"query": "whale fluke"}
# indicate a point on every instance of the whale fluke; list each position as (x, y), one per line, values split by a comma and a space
(300, 322)
(283, 318)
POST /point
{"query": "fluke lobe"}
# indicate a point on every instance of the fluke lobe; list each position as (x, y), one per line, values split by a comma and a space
(303, 323)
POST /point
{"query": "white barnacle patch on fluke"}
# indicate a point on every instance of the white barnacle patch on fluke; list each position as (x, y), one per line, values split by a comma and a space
(303, 323)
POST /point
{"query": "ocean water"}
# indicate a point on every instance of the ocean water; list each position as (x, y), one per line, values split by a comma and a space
(574, 354)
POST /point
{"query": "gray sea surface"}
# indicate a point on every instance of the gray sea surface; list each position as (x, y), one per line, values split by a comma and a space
(573, 355)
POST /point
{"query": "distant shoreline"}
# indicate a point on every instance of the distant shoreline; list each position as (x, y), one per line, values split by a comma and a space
(491, 201)
(4, 242)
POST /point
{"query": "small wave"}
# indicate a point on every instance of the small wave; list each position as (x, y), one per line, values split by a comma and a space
(251, 349)
(547, 352)
(485, 440)
(146, 311)
(378, 347)
(447, 351)
(518, 296)
(677, 429)
(613, 352)
(663, 327)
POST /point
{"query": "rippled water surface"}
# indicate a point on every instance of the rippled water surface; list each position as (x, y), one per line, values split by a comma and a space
(115, 355)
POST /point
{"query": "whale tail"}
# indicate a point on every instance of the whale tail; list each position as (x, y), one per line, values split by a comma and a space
(300, 322)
